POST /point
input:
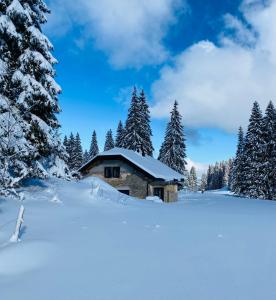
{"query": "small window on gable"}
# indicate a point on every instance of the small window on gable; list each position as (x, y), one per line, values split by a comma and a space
(116, 172)
(107, 172)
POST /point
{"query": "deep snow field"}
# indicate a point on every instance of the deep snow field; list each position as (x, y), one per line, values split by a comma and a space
(85, 241)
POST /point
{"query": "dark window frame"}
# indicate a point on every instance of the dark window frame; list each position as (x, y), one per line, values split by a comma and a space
(116, 172)
(112, 172)
(108, 172)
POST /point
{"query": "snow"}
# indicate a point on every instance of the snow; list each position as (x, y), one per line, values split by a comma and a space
(149, 164)
(84, 240)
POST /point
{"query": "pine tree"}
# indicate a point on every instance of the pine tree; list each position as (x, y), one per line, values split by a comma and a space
(203, 182)
(253, 145)
(77, 156)
(238, 171)
(86, 157)
(268, 165)
(28, 85)
(94, 149)
(145, 128)
(109, 142)
(173, 149)
(119, 142)
(70, 150)
(65, 142)
(192, 180)
(132, 138)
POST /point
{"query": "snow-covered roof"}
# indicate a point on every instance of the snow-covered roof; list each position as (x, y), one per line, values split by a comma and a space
(149, 164)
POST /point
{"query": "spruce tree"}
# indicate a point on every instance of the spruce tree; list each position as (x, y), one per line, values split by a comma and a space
(86, 157)
(28, 85)
(203, 182)
(253, 155)
(268, 165)
(173, 149)
(119, 142)
(70, 150)
(77, 156)
(192, 180)
(109, 142)
(238, 171)
(145, 128)
(132, 138)
(94, 149)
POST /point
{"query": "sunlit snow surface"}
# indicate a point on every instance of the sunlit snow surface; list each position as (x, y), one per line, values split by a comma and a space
(84, 240)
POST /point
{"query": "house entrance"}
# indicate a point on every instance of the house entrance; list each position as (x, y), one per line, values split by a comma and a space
(159, 192)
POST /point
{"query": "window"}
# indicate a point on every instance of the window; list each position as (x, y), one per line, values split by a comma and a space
(107, 172)
(112, 172)
(116, 172)
(126, 192)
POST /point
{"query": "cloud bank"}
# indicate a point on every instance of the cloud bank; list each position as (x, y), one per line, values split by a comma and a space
(216, 84)
(130, 32)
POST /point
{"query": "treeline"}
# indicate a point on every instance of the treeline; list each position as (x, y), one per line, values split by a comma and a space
(218, 175)
(254, 167)
(136, 135)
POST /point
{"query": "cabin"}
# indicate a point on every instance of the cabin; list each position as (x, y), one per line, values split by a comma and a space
(135, 175)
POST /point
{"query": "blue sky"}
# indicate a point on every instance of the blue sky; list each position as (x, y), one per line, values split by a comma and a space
(196, 52)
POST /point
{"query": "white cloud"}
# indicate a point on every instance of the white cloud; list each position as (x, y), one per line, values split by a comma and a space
(216, 84)
(129, 32)
(200, 167)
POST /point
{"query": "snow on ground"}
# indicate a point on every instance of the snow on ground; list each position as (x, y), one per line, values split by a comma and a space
(85, 241)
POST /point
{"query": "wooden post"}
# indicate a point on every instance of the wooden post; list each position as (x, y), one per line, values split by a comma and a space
(15, 237)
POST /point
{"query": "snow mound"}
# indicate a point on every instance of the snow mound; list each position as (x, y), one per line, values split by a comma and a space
(25, 256)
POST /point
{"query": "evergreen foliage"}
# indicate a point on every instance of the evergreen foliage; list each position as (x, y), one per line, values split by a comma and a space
(132, 138)
(145, 128)
(268, 168)
(86, 157)
(203, 182)
(173, 149)
(77, 157)
(28, 95)
(238, 166)
(192, 180)
(218, 175)
(254, 167)
(253, 176)
(94, 149)
(119, 142)
(137, 133)
(109, 142)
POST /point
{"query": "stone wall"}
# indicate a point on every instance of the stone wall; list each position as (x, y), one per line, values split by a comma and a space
(136, 182)
(129, 179)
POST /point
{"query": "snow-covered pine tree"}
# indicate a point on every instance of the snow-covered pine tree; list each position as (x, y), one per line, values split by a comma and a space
(65, 142)
(253, 153)
(109, 142)
(29, 84)
(119, 141)
(94, 149)
(86, 157)
(77, 156)
(70, 150)
(192, 180)
(173, 149)
(145, 128)
(203, 182)
(268, 166)
(15, 151)
(132, 138)
(237, 174)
